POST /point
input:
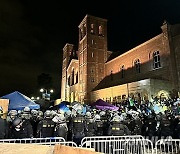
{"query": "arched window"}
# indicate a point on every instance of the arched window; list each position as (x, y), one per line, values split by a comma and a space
(72, 77)
(137, 65)
(156, 60)
(69, 80)
(84, 29)
(92, 28)
(81, 33)
(122, 71)
(77, 77)
(100, 33)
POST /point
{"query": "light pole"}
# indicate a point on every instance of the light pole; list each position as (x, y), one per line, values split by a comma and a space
(45, 94)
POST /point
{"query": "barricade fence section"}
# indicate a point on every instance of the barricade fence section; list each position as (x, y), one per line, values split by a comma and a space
(168, 146)
(94, 138)
(121, 146)
(71, 144)
(44, 141)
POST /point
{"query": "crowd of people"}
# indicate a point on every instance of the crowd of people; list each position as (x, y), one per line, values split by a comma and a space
(157, 118)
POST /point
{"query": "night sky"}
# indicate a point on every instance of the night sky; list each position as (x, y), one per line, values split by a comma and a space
(33, 33)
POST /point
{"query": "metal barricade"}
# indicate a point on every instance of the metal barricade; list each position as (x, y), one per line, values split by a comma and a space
(122, 146)
(71, 144)
(168, 146)
(94, 138)
(44, 141)
(139, 146)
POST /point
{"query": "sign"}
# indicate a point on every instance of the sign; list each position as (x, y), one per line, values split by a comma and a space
(46, 96)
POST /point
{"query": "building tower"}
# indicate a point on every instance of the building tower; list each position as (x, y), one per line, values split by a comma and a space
(92, 48)
(67, 52)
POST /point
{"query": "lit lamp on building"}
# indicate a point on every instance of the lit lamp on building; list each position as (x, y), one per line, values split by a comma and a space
(46, 94)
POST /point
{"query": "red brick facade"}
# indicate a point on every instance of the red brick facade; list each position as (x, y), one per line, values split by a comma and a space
(156, 61)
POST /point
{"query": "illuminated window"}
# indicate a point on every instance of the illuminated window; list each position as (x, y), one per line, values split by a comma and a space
(84, 29)
(137, 65)
(92, 28)
(156, 60)
(92, 54)
(100, 32)
(122, 71)
(92, 42)
(81, 33)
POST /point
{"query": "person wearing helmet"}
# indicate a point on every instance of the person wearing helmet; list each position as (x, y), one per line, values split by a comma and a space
(46, 126)
(118, 128)
(105, 121)
(21, 129)
(12, 115)
(89, 125)
(61, 128)
(3, 125)
(26, 113)
(34, 121)
(68, 116)
(98, 125)
(78, 127)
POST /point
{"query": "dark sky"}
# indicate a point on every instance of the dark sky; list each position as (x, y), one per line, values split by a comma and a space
(33, 33)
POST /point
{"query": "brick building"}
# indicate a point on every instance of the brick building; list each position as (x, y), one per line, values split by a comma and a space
(93, 72)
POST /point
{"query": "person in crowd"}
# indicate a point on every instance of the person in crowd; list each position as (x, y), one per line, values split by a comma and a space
(117, 128)
(61, 128)
(68, 116)
(12, 114)
(98, 125)
(34, 121)
(78, 127)
(26, 113)
(21, 129)
(46, 126)
(89, 124)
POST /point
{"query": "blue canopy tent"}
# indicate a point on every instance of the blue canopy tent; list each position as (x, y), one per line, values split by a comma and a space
(18, 101)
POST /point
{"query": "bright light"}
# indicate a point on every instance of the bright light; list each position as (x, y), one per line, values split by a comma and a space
(32, 97)
(51, 91)
(42, 90)
(37, 98)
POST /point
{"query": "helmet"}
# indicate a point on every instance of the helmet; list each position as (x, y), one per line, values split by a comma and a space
(47, 114)
(97, 117)
(26, 109)
(34, 112)
(117, 119)
(88, 114)
(102, 113)
(16, 121)
(13, 112)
